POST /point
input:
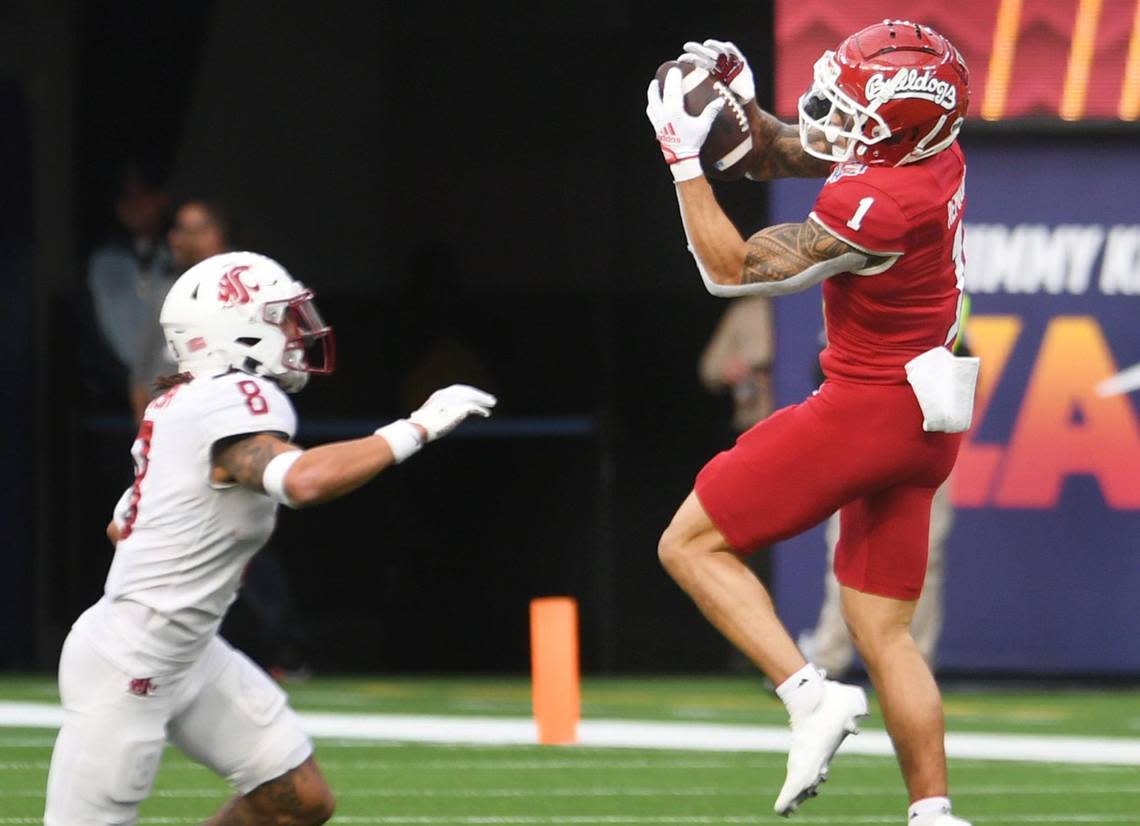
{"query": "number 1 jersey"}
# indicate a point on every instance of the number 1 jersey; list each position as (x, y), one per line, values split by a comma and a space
(880, 318)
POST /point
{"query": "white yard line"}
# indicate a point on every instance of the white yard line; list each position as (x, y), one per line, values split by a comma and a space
(634, 820)
(655, 735)
(720, 792)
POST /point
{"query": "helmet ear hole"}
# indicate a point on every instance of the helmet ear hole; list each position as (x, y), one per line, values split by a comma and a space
(248, 341)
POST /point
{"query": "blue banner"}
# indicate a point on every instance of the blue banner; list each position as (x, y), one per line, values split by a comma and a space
(1043, 565)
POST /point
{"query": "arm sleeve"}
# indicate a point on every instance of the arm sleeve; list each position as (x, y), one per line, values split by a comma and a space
(863, 216)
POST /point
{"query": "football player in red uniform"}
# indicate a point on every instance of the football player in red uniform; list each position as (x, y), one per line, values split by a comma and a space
(884, 239)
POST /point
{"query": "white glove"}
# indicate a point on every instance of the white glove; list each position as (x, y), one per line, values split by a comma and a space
(680, 134)
(438, 416)
(446, 408)
(725, 63)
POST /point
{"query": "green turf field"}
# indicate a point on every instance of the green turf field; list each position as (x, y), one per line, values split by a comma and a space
(427, 784)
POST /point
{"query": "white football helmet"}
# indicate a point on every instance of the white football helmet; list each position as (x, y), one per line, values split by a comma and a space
(243, 311)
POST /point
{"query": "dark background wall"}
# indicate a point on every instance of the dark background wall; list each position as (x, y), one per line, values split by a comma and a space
(479, 181)
(352, 135)
(15, 370)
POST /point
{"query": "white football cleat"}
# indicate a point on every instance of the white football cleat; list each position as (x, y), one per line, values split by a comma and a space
(815, 739)
(936, 819)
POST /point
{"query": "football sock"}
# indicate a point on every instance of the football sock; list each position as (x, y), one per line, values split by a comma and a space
(928, 806)
(802, 691)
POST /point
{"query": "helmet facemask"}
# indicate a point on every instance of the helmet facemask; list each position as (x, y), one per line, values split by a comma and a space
(309, 342)
(833, 125)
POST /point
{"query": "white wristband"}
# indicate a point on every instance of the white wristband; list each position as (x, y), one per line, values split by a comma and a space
(687, 169)
(273, 477)
(402, 437)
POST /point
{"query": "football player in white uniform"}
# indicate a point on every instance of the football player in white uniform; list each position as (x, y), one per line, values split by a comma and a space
(213, 459)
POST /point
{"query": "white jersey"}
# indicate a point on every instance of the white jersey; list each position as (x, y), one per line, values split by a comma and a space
(185, 541)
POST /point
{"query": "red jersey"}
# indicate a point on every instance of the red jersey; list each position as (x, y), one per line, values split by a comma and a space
(880, 318)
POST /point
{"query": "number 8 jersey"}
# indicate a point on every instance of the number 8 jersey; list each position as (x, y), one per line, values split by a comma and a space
(185, 540)
(880, 318)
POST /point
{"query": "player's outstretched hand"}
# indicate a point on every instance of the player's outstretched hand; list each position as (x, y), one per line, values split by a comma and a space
(446, 408)
(726, 63)
(680, 134)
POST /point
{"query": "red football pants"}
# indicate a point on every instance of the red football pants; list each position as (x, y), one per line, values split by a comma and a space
(856, 448)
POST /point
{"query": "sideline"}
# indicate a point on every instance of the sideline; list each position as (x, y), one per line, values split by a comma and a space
(419, 728)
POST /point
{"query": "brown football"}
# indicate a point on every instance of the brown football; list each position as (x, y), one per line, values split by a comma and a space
(725, 154)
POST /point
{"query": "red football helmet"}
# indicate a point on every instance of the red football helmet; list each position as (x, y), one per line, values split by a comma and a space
(894, 93)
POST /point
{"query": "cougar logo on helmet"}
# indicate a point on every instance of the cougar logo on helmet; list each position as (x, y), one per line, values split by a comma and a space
(231, 290)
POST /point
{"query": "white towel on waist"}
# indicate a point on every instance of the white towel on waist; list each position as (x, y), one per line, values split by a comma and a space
(944, 385)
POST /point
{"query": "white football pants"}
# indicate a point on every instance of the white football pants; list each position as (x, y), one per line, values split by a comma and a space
(223, 712)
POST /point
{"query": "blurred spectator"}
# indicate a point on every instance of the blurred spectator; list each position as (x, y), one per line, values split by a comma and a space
(201, 228)
(128, 277)
(738, 360)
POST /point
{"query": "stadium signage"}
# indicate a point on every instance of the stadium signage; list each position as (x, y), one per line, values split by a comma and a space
(1046, 484)
(1062, 427)
(1068, 259)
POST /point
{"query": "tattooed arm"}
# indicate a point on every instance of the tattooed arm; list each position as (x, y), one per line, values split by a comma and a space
(778, 260)
(318, 475)
(778, 153)
(798, 256)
